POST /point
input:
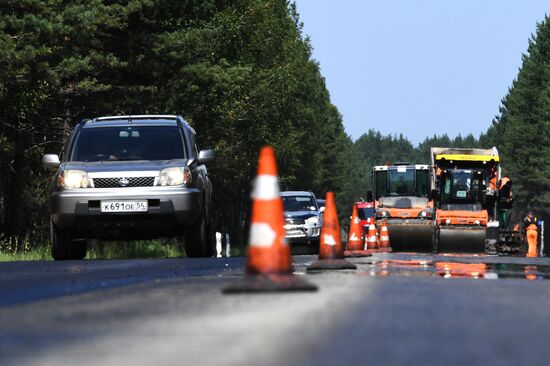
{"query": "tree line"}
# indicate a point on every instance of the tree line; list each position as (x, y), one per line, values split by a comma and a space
(521, 130)
(241, 73)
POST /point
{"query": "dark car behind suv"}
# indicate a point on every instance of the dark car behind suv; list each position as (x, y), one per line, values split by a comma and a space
(131, 177)
(303, 220)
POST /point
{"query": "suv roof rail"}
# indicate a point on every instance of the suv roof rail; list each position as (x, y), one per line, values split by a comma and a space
(137, 116)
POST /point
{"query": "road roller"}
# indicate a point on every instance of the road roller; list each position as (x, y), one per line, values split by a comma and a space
(465, 188)
(402, 199)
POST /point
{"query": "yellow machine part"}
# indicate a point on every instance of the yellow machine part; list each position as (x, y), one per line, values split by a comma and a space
(466, 157)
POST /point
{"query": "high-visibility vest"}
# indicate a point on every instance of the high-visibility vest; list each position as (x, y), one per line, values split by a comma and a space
(503, 182)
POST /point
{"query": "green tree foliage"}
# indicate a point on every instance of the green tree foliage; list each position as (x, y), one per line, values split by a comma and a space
(30, 35)
(522, 129)
(239, 71)
(372, 149)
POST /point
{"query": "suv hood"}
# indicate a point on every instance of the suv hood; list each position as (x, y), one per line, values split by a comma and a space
(300, 214)
(117, 166)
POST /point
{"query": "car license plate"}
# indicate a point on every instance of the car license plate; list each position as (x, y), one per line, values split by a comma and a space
(124, 206)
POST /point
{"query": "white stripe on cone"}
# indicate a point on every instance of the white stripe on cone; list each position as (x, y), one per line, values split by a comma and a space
(384, 235)
(329, 239)
(353, 237)
(261, 235)
(266, 187)
(371, 238)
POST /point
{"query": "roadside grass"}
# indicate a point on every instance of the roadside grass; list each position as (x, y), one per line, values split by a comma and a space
(138, 249)
(99, 250)
(35, 254)
(237, 251)
(168, 248)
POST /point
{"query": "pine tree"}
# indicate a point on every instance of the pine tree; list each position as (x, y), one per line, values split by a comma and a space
(522, 129)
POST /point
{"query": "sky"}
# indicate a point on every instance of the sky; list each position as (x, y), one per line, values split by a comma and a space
(419, 67)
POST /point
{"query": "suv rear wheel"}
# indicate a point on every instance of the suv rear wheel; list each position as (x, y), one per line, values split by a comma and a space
(63, 247)
(210, 236)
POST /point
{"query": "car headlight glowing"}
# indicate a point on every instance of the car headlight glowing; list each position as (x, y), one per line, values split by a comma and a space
(175, 176)
(312, 220)
(73, 179)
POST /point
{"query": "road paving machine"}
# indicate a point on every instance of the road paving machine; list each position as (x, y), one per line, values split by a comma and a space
(402, 199)
(471, 199)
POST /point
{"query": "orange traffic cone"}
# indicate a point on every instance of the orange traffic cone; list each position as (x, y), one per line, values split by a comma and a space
(355, 244)
(384, 237)
(269, 265)
(372, 240)
(331, 252)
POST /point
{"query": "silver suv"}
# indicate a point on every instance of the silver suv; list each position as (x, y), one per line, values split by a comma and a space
(131, 177)
(303, 219)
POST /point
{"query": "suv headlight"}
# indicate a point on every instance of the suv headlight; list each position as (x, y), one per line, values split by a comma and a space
(383, 213)
(175, 176)
(73, 179)
(312, 220)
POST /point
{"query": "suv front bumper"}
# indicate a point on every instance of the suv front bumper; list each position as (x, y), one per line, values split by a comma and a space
(302, 233)
(170, 210)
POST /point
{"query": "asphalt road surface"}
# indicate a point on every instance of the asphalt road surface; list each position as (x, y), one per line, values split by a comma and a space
(395, 309)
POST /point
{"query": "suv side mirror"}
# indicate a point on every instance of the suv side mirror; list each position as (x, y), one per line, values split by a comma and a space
(206, 156)
(50, 160)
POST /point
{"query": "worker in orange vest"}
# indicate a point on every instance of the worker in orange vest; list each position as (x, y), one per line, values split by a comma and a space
(531, 231)
(506, 188)
(505, 192)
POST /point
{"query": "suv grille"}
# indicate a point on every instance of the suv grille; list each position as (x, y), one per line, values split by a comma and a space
(120, 182)
(295, 221)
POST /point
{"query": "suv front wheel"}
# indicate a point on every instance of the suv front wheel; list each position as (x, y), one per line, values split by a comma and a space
(63, 247)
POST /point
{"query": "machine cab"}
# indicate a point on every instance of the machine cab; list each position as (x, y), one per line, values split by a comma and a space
(466, 182)
(401, 191)
(462, 186)
(401, 180)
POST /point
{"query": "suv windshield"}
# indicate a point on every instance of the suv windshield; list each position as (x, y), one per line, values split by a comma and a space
(299, 203)
(128, 143)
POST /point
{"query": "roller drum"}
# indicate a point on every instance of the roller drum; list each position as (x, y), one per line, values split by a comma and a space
(410, 237)
(461, 239)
